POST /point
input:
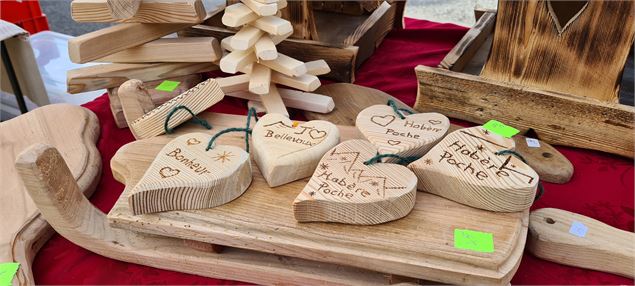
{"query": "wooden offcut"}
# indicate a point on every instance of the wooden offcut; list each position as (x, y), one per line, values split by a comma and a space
(600, 247)
(150, 11)
(563, 46)
(345, 189)
(123, 9)
(286, 153)
(175, 50)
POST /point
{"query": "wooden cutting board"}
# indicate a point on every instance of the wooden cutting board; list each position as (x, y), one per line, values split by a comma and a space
(350, 99)
(71, 129)
(419, 245)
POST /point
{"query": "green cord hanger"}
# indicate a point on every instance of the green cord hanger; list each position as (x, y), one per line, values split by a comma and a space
(251, 113)
(195, 119)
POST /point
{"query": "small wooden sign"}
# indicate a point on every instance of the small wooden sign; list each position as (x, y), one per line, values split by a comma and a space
(184, 176)
(344, 189)
(412, 136)
(464, 168)
(285, 151)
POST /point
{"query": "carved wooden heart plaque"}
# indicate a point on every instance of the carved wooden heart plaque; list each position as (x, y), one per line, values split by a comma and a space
(412, 136)
(464, 168)
(185, 176)
(285, 153)
(344, 189)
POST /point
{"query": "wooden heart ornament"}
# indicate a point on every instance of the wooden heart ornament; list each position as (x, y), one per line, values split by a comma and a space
(285, 153)
(412, 136)
(344, 189)
(464, 168)
(184, 176)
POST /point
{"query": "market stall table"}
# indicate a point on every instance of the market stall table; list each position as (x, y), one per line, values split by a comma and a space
(601, 188)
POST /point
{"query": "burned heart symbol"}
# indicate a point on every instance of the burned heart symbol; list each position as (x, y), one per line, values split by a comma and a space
(167, 172)
(193, 141)
(382, 120)
(394, 142)
(435, 122)
(317, 134)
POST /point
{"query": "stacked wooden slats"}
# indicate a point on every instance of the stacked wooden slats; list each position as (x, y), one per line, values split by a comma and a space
(252, 50)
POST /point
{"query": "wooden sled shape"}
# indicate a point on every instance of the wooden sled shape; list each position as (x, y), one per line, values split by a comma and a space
(74, 131)
(418, 246)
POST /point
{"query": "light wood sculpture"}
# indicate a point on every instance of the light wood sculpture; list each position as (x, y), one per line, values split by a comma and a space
(551, 85)
(197, 99)
(252, 50)
(286, 152)
(345, 189)
(149, 11)
(262, 220)
(412, 136)
(74, 130)
(463, 167)
(572, 239)
(186, 176)
(351, 99)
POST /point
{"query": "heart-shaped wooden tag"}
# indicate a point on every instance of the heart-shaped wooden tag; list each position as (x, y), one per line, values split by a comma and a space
(286, 152)
(184, 176)
(412, 136)
(464, 168)
(344, 189)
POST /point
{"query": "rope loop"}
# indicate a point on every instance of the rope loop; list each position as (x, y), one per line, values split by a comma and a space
(195, 119)
(251, 113)
(402, 160)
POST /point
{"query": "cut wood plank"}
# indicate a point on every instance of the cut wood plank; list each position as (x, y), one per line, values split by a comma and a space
(533, 49)
(91, 46)
(466, 48)
(113, 75)
(187, 176)
(237, 15)
(305, 82)
(157, 97)
(286, 65)
(234, 83)
(245, 38)
(72, 129)
(134, 99)
(319, 67)
(123, 9)
(573, 239)
(150, 11)
(265, 49)
(295, 99)
(51, 185)
(274, 25)
(273, 101)
(260, 8)
(237, 60)
(393, 247)
(351, 99)
(259, 79)
(367, 194)
(557, 118)
(197, 99)
(183, 50)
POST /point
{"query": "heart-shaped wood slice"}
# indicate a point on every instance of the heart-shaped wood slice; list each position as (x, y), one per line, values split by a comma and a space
(412, 136)
(285, 153)
(464, 168)
(343, 189)
(184, 176)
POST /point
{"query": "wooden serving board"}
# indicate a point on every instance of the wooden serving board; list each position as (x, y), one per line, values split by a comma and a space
(419, 245)
(74, 131)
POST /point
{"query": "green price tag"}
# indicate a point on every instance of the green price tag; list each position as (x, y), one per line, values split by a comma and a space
(500, 128)
(7, 272)
(168, 85)
(473, 240)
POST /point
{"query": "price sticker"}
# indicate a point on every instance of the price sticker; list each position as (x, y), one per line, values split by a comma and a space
(7, 272)
(533, 143)
(473, 240)
(578, 229)
(500, 128)
(168, 85)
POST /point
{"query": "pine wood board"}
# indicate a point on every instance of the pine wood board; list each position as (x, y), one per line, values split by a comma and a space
(172, 50)
(74, 131)
(350, 99)
(419, 245)
(149, 11)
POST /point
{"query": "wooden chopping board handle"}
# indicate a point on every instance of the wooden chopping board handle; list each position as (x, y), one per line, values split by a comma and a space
(572, 239)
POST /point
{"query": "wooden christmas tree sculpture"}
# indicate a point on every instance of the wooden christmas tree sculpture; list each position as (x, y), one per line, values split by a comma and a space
(252, 50)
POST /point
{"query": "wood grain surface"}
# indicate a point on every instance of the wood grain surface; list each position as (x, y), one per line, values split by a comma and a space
(173, 50)
(351, 99)
(286, 152)
(149, 11)
(465, 168)
(186, 176)
(74, 131)
(123, 9)
(262, 220)
(573, 239)
(345, 189)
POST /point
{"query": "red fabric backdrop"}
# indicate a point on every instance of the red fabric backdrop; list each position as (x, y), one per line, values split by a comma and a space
(601, 188)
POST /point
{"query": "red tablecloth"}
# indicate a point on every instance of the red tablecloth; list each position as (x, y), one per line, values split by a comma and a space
(601, 188)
